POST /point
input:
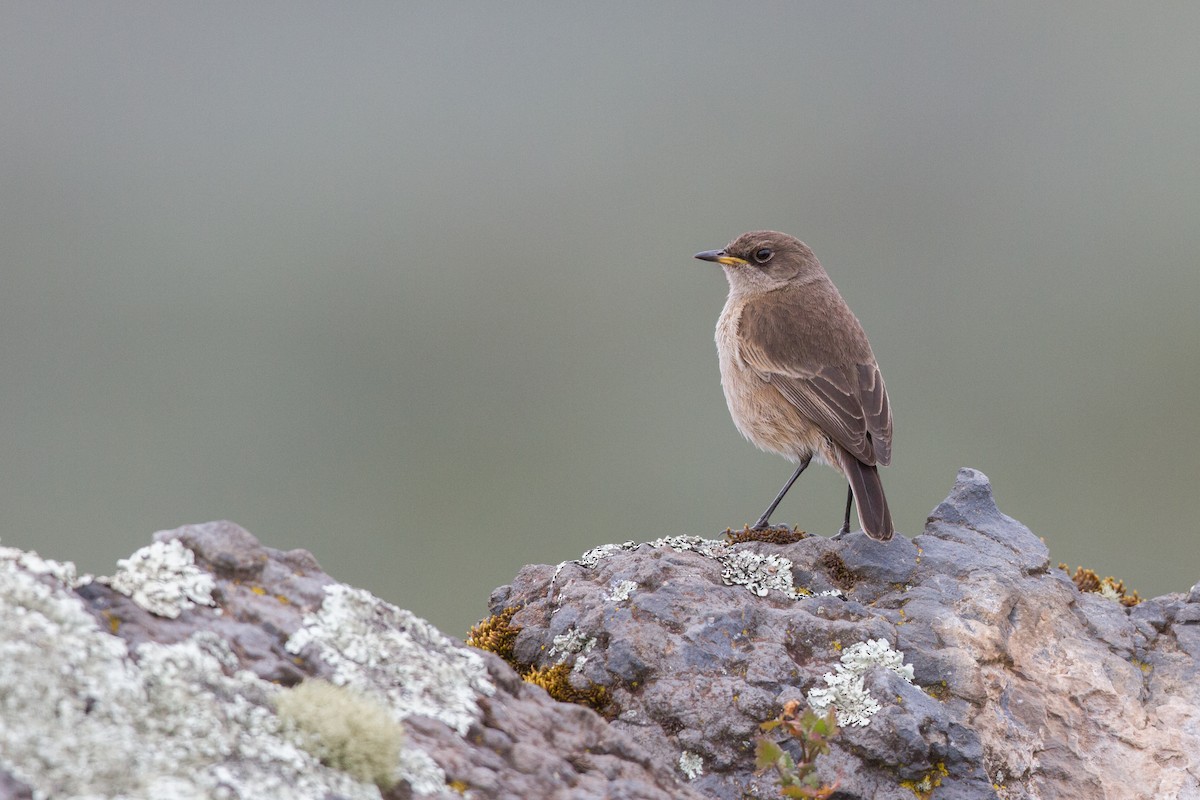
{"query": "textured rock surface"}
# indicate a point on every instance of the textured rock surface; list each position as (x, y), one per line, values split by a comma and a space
(1023, 687)
(100, 697)
(161, 681)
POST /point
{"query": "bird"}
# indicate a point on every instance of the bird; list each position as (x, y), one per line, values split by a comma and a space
(798, 373)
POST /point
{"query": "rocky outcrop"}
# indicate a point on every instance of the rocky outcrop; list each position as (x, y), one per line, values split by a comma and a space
(960, 664)
(164, 682)
(1021, 686)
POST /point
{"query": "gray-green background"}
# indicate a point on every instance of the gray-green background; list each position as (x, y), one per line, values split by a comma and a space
(411, 285)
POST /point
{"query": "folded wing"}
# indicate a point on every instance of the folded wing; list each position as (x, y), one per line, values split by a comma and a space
(835, 382)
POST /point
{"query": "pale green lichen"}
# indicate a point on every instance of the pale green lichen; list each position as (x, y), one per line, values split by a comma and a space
(845, 689)
(163, 579)
(345, 729)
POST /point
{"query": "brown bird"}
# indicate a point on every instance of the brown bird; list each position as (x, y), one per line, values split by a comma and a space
(798, 372)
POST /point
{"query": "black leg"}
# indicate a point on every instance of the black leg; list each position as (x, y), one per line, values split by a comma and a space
(849, 503)
(763, 521)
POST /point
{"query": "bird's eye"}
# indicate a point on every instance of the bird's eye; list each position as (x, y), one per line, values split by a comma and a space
(763, 255)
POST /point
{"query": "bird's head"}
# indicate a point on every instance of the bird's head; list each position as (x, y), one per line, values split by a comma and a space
(760, 261)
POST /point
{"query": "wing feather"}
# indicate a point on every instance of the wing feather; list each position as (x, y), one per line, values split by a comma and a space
(834, 381)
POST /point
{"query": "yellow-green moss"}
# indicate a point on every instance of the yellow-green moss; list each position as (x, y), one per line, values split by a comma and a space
(938, 691)
(923, 788)
(497, 634)
(556, 681)
(344, 729)
(1087, 580)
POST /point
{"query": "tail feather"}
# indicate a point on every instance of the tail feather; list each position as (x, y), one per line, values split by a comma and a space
(873, 513)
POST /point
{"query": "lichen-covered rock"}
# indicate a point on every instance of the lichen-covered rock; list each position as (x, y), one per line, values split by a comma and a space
(960, 664)
(164, 682)
(84, 715)
(1021, 686)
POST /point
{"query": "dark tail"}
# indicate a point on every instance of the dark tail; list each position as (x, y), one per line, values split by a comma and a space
(873, 513)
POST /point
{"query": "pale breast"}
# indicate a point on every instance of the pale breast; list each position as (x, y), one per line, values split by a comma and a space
(760, 412)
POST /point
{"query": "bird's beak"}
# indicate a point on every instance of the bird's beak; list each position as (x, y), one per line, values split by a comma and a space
(720, 257)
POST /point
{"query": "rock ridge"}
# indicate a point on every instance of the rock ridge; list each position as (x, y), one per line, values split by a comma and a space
(960, 663)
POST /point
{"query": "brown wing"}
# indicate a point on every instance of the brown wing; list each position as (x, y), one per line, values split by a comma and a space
(822, 364)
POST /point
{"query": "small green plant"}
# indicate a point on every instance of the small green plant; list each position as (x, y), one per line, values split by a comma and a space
(812, 732)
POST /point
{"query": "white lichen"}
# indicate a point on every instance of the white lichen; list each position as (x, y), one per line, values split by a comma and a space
(163, 579)
(422, 773)
(62, 571)
(573, 643)
(710, 548)
(707, 547)
(876, 653)
(691, 765)
(622, 591)
(848, 695)
(369, 644)
(758, 573)
(594, 556)
(845, 689)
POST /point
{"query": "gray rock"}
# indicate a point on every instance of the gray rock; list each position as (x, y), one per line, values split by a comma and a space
(1022, 686)
(959, 659)
(13, 789)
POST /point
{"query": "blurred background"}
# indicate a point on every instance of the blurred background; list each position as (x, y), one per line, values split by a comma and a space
(411, 285)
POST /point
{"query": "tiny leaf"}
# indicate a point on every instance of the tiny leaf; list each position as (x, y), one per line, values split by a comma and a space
(766, 753)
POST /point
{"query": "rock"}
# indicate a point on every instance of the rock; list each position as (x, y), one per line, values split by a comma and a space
(1022, 686)
(170, 692)
(961, 664)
